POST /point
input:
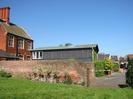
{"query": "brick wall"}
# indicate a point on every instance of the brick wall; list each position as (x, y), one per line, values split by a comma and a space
(77, 70)
(13, 50)
(2, 39)
(25, 52)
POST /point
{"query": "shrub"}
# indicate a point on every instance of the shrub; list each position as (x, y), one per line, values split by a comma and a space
(129, 74)
(103, 67)
(115, 67)
(99, 68)
(99, 73)
(5, 74)
(68, 79)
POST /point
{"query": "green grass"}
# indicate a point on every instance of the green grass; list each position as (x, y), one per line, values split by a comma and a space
(11, 88)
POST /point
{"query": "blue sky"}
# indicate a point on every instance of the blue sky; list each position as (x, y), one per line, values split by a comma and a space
(108, 23)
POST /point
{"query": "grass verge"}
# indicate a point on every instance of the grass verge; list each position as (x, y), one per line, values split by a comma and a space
(12, 88)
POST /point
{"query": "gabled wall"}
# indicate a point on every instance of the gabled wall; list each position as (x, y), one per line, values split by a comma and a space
(16, 51)
(2, 38)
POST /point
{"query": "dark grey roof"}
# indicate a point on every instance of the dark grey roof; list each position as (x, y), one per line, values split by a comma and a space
(15, 30)
(68, 47)
(4, 54)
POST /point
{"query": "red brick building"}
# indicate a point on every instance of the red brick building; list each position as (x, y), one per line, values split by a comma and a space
(14, 39)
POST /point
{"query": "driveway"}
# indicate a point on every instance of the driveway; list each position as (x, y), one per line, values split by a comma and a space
(114, 80)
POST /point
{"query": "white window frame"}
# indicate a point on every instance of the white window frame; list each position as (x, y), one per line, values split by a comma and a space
(10, 39)
(21, 47)
(29, 45)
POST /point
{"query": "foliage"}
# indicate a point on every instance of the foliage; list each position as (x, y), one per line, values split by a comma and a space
(129, 74)
(68, 44)
(3, 73)
(94, 56)
(108, 64)
(99, 68)
(26, 89)
(47, 74)
(115, 67)
(103, 67)
(68, 79)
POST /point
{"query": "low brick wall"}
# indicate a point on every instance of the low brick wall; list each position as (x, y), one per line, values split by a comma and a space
(76, 69)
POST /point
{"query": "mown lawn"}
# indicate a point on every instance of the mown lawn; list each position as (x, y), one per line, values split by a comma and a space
(11, 88)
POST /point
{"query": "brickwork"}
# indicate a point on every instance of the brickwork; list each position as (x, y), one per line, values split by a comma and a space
(77, 70)
(4, 14)
(2, 39)
(14, 50)
(4, 19)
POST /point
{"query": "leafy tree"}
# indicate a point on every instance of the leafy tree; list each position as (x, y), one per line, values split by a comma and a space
(68, 44)
(99, 68)
(129, 74)
(103, 67)
(115, 67)
(108, 65)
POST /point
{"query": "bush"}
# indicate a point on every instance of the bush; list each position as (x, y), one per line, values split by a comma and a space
(103, 67)
(5, 74)
(129, 74)
(68, 79)
(99, 68)
(99, 73)
(115, 67)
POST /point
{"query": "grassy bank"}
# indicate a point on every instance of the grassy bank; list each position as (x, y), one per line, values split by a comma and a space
(11, 88)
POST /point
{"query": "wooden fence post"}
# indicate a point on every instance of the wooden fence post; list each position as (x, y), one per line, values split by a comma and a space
(88, 77)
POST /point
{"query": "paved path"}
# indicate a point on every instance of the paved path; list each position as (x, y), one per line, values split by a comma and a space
(114, 80)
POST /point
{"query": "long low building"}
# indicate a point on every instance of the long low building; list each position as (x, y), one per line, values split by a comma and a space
(80, 52)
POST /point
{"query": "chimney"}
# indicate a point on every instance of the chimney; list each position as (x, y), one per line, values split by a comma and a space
(5, 14)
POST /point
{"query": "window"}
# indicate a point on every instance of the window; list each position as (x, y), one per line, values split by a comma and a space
(37, 55)
(21, 57)
(29, 45)
(10, 41)
(21, 43)
(40, 54)
(33, 55)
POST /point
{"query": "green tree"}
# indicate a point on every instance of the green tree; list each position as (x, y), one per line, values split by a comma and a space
(108, 66)
(103, 67)
(129, 74)
(99, 68)
(68, 44)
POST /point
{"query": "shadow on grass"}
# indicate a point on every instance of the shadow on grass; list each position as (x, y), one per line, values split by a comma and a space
(123, 85)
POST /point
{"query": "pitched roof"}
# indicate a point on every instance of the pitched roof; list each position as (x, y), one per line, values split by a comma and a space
(130, 56)
(4, 54)
(68, 47)
(15, 30)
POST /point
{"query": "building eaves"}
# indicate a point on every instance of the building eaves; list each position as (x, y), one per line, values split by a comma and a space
(67, 47)
(15, 30)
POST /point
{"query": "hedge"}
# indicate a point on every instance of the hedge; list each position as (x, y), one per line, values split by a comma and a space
(129, 74)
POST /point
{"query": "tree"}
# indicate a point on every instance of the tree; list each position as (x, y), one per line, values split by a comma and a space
(129, 74)
(68, 44)
(108, 66)
(103, 67)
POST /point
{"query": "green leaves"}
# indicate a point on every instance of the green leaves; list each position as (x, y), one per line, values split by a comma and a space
(104, 67)
(129, 74)
(5, 74)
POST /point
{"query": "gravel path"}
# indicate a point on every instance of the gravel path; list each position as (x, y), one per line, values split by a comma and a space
(114, 80)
